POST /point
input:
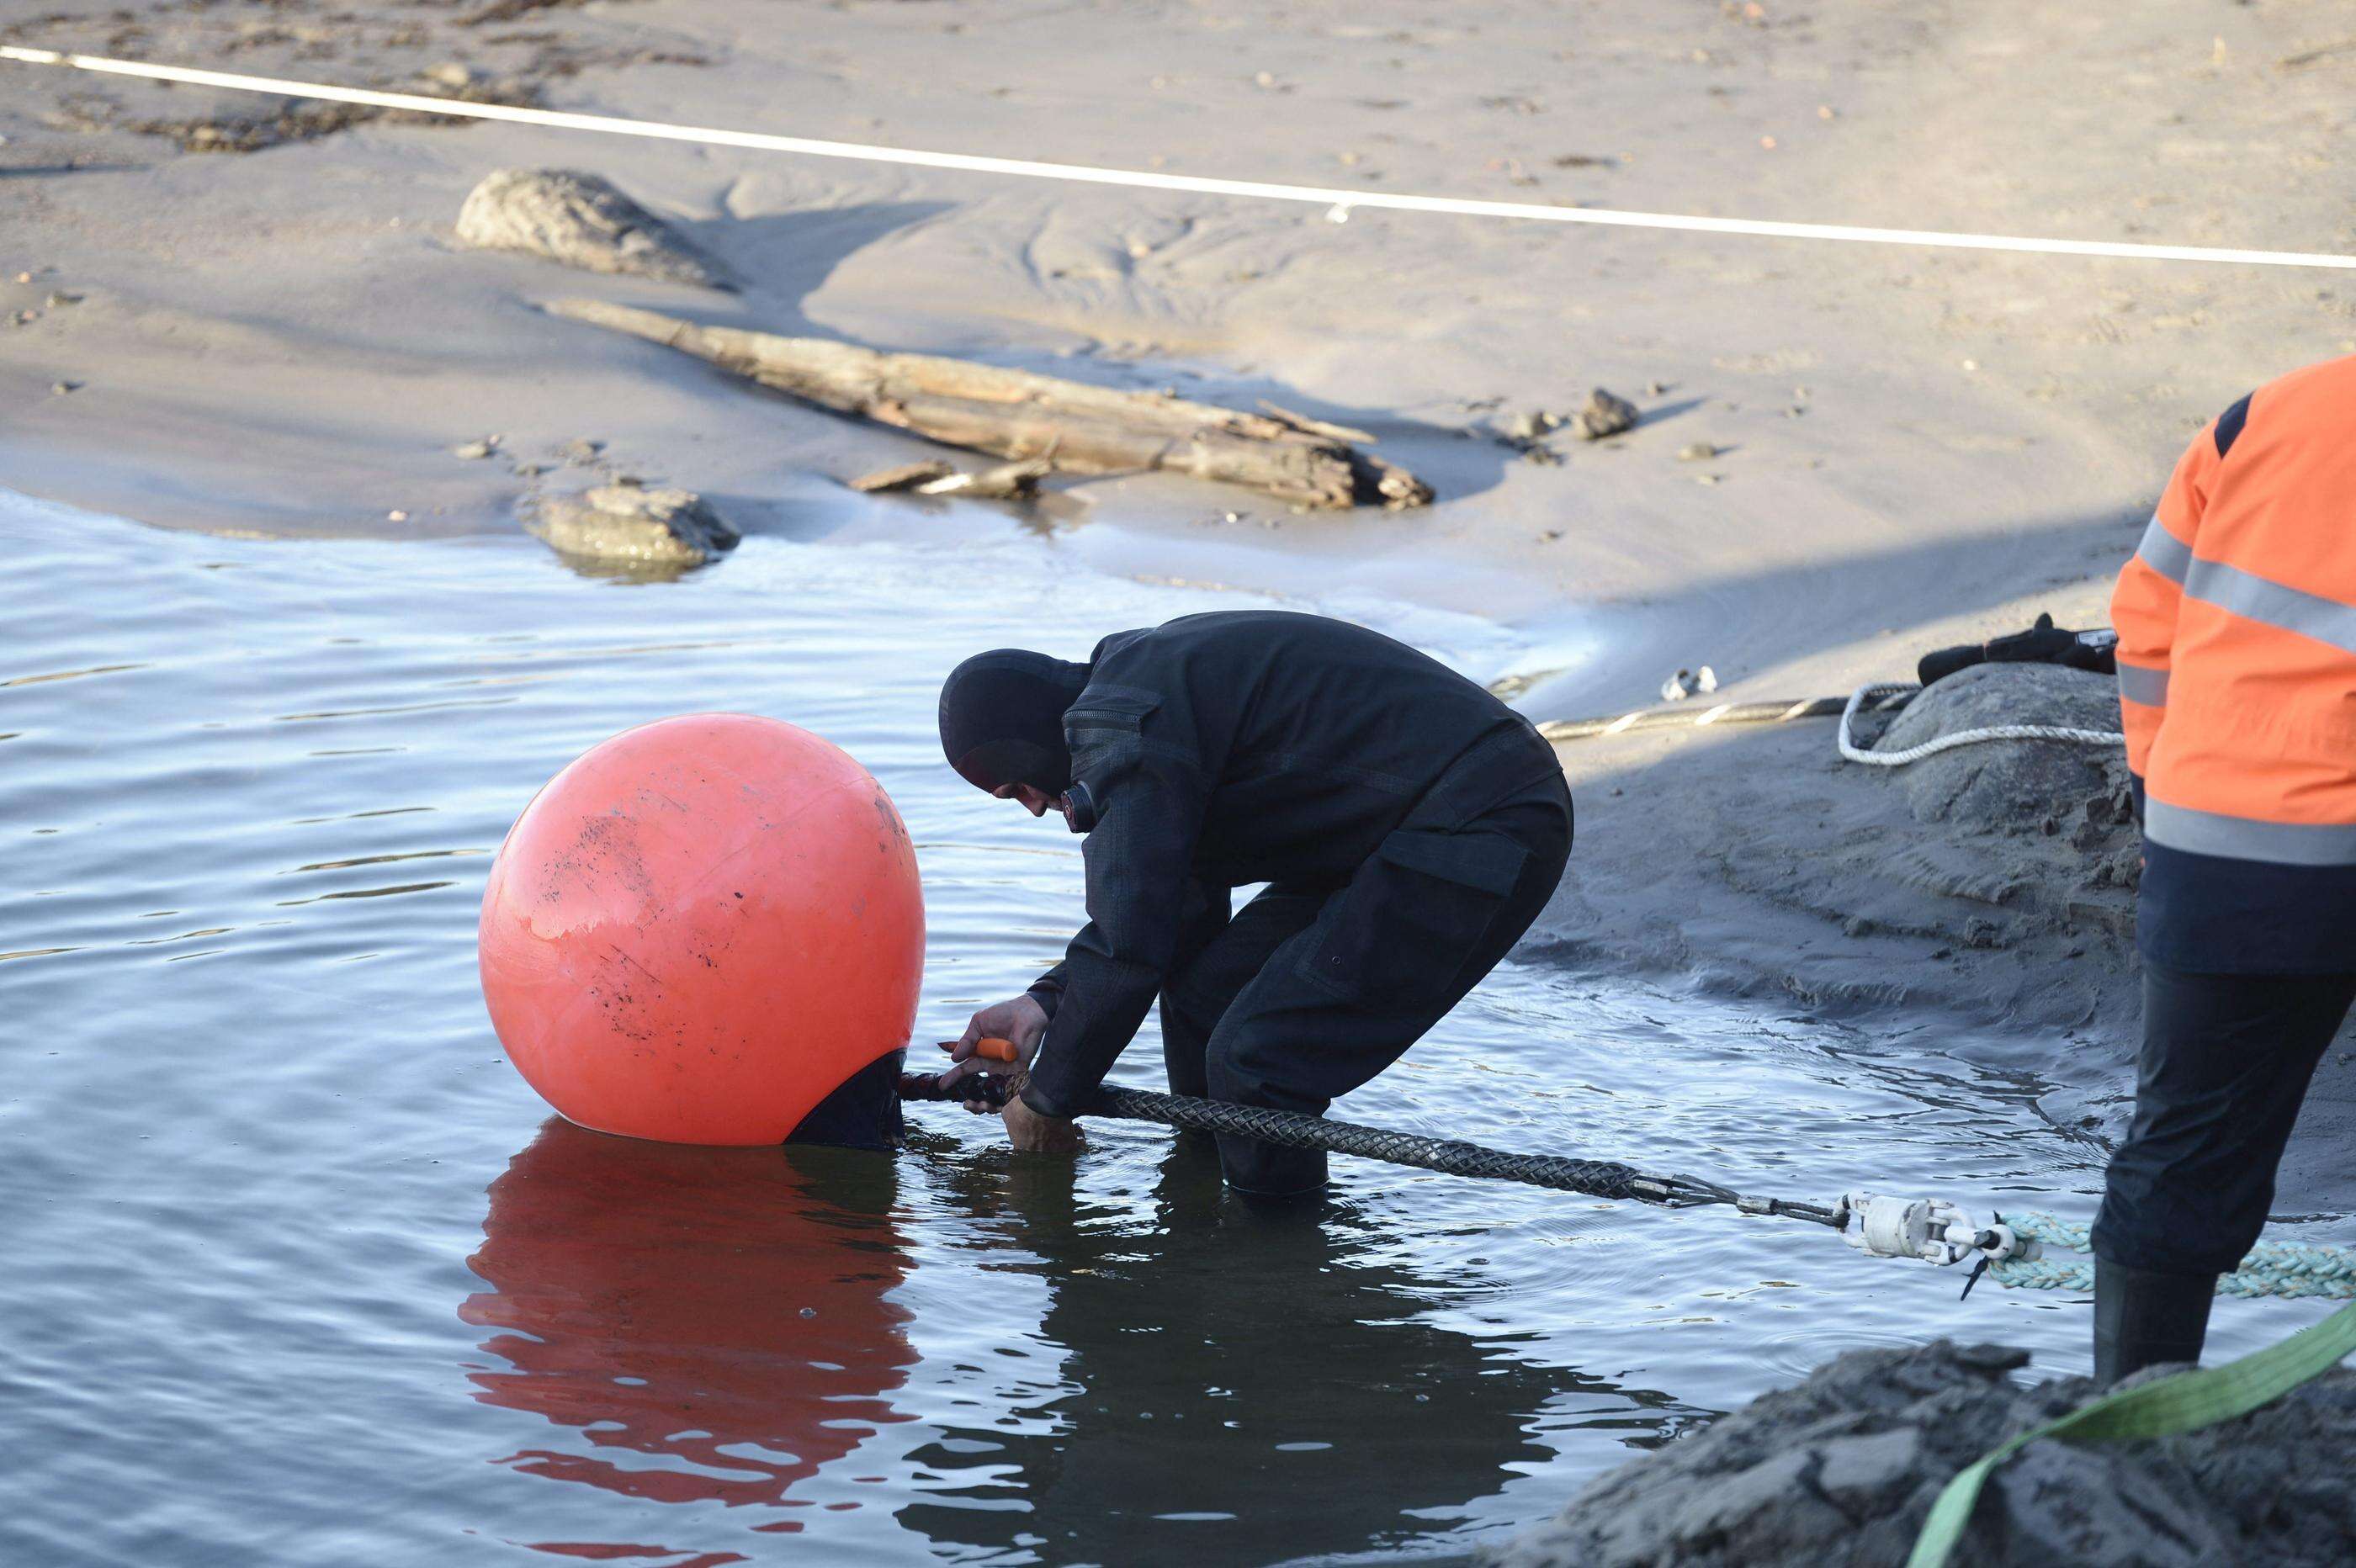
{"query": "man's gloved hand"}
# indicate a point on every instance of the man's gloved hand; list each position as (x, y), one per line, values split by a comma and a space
(2045, 643)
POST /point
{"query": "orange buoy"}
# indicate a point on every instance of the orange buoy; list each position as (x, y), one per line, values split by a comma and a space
(701, 929)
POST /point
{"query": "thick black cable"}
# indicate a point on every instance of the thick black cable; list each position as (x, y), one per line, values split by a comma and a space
(1291, 1129)
(1452, 1157)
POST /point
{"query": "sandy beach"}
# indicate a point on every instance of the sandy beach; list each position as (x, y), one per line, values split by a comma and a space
(1904, 448)
(249, 316)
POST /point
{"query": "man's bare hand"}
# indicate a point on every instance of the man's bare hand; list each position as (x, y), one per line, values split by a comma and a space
(1019, 1019)
(1032, 1133)
(1022, 1021)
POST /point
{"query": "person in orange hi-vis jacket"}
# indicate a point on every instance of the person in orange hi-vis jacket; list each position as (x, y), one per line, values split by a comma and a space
(2237, 687)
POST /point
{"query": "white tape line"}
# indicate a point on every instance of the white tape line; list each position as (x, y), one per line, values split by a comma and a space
(1620, 723)
(1339, 203)
(1715, 714)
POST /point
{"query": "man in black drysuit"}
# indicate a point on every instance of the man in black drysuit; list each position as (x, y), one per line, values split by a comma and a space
(1409, 826)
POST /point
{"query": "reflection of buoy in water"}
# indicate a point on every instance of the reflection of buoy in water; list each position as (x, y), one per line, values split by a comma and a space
(702, 928)
(715, 1325)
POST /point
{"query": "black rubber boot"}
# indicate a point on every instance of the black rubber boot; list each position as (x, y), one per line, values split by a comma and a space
(2142, 1320)
(1270, 1172)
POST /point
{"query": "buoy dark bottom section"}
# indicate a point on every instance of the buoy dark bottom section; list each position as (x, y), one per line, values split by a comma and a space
(864, 1113)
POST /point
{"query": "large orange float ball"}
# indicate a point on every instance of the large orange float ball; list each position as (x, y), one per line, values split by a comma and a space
(701, 929)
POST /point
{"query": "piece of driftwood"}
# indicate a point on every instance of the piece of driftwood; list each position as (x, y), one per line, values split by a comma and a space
(1007, 481)
(1313, 426)
(1078, 428)
(904, 476)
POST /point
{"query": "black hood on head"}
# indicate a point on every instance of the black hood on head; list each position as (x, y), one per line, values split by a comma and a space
(1003, 719)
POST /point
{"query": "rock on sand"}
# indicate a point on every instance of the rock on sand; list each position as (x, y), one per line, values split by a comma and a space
(621, 525)
(581, 220)
(1841, 1470)
(2010, 786)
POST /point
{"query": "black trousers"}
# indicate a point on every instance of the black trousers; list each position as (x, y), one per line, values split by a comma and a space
(1309, 992)
(2226, 1061)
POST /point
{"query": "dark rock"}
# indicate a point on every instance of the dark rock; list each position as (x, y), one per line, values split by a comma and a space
(1603, 414)
(2011, 786)
(1840, 1472)
(1985, 933)
(622, 525)
(581, 220)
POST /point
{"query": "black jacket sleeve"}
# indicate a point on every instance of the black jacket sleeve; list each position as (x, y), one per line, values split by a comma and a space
(1047, 991)
(1139, 859)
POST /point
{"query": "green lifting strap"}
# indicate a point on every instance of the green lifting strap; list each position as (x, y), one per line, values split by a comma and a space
(2183, 1403)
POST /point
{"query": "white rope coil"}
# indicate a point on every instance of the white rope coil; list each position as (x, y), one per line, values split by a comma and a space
(1338, 203)
(1855, 753)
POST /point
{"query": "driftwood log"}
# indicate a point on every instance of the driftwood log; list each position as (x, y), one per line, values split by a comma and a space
(1076, 428)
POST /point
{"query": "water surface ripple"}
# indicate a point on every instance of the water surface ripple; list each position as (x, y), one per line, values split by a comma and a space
(299, 1271)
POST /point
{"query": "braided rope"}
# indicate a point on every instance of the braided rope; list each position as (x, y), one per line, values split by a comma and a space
(2278, 1269)
(1695, 717)
(1855, 753)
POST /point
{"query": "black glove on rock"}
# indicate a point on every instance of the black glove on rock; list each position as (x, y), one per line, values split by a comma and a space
(2045, 643)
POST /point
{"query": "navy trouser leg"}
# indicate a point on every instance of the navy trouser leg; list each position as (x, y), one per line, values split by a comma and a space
(2225, 1064)
(1385, 959)
(1205, 983)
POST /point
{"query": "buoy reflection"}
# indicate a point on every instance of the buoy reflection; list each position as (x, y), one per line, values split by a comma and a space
(721, 1311)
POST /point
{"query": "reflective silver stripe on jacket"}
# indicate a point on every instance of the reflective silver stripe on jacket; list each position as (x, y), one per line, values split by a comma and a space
(2241, 839)
(2246, 593)
(2149, 687)
(2253, 597)
(2164, 552)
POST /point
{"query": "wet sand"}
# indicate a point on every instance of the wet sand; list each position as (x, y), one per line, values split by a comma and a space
(1908, 448)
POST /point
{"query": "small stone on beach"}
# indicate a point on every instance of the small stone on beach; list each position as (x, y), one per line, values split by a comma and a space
(60, 388)
(581, 220)
(1686, 682)
(1697, 451)
(625, 525)
(1605, 415)
(477, 449)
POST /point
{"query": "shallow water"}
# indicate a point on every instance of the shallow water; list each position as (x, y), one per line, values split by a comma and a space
(298, 1271)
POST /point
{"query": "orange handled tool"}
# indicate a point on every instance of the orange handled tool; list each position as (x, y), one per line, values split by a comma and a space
(989, 1048)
